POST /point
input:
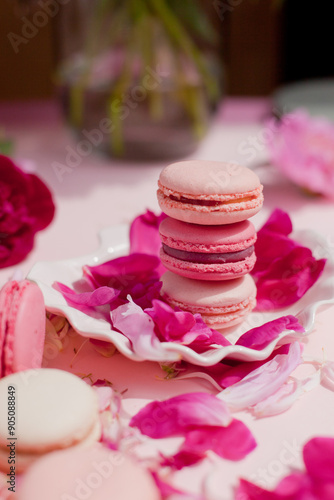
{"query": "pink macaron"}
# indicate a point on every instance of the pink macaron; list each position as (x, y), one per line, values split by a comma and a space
(207, 252)
(95, 473)
(22, 326)
(221, 303)
(209, 192)
(51, 409)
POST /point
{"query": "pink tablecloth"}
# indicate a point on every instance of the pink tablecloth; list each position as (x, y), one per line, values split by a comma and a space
(101, 192)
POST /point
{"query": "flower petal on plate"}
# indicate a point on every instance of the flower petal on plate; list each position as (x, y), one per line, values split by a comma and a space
(174, 416)
(183, 327)
(263, 381)
(258, 338)
(288, 279)
(138, 327)
(123, 271)
(318, 454)
(144, 233)
(99, 297)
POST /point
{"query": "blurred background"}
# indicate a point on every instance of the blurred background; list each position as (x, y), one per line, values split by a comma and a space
(262, 45)
(168, 63)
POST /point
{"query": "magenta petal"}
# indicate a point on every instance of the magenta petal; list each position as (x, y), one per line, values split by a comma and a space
(176, 415)
(101, 296)
(233, 442)
(144, 233)
(258, 338)
(318, 456)
(278, 222)
(288, 279)
(121, 272)
(172, 325)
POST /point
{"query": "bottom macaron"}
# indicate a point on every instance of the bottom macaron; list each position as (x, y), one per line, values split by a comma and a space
(221, 303)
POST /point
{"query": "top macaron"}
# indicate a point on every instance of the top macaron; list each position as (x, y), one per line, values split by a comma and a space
(209, 192)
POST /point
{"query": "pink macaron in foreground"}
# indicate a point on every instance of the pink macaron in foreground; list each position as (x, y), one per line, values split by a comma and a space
(207, 252)
(95, 473)
(22, 326)
(209, 192)
(221, 303)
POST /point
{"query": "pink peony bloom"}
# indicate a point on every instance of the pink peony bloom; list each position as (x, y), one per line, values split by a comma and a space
(284, 270)
(303, 149)
(26, 206)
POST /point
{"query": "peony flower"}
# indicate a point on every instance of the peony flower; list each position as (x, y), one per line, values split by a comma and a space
(26, 207)
(303, 149)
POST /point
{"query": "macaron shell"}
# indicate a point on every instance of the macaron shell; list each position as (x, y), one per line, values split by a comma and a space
(207, 239)
(25, 460)
(221, 303)
(198, 214)
(56, 410)
(198, 177)
(96, 473)
(25, 327)
(211, 272)
(207, 295)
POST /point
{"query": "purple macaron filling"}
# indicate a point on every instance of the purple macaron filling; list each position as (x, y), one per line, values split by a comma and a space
(208, 258)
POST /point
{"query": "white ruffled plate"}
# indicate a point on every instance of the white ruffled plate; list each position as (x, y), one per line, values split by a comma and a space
(114, 243)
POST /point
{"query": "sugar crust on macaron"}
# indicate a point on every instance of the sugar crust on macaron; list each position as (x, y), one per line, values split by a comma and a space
(207, 252)
(221, 303)
(209, 192)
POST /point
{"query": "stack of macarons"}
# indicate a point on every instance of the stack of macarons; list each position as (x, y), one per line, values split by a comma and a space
(207, 239)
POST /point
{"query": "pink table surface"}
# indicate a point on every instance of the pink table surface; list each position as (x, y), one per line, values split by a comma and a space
(102, 192)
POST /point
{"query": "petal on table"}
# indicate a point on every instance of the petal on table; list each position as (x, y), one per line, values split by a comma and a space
(233, 442)
(318, 454)
(263, 381)
(174, 416)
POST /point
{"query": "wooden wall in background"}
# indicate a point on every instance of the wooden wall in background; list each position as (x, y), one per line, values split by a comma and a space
(250, 49)
(26, 69)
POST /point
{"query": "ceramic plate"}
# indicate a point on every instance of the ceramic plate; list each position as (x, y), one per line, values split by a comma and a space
(114, 243)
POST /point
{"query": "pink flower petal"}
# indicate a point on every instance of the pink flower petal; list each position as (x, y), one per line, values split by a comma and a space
(288, 279)
(318, 454)
(258, 338)
(284, 269)
(302, 148)
(124, 271)
(138, 327)
(263, 381)
(183, 327)
(233, 442)
(105, 395)
(102, 296)
(144, 235)
(176, 415)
